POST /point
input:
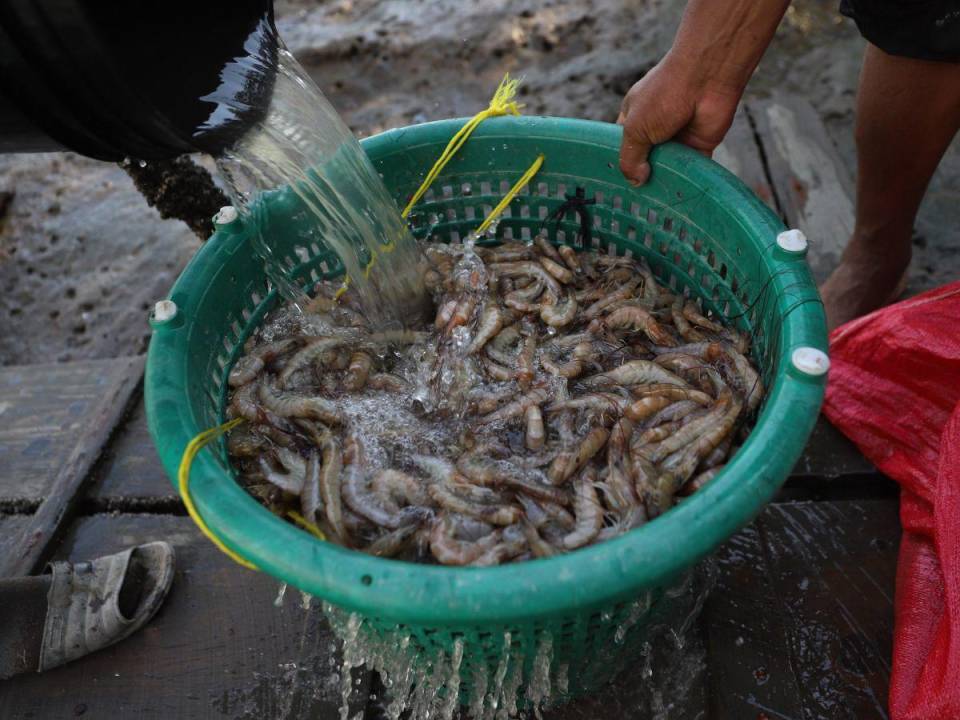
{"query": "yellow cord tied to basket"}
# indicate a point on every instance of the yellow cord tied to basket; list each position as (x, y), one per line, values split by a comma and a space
(501, 104)
(183, 484)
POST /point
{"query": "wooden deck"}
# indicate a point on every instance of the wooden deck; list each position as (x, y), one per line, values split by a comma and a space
(799, 625)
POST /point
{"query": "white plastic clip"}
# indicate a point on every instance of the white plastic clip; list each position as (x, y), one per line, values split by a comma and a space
(226, 215)
(810, 361)
(793, 241)
(164, 311)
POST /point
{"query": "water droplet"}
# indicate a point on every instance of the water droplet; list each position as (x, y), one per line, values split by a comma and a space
(142, 163)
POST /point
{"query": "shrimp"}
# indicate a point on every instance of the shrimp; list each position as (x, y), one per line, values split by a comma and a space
(692, 313)
(392, 543)
(621, 293)
(539, 546)
(310, 491)
(526, 361)
(387, 382)
(557, 314)
(505, 253)
(674, 392)
(517, 407)
(698, 481)
(244, 443)
(504, 473)
(645, 478)
(358, 496)
(567, 465)
(330, 487)
(512, 544)
(535, 435)
(358, 371)
(597, 402)
(683, 326)
(572, 367)
(250, 365)
(310, 353)
(397, 485)
(491, 321)
(620, 493)
(547, 248)
(462, 314)
(290, 481)
(557, 472)
(497, 371)
(446, 498)
(586, 507)
(438, 470)
(287, 404)
(684, 462)
(635, 372)
(557, 270)
(244, 404)
(693, 429)
(533, 269)
(635, 317)
(497, 347)
(571, 259)
(445, 314)
(448, 550)
(647, 406)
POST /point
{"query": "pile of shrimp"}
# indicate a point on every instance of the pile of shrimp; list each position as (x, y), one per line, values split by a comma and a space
(574, 399)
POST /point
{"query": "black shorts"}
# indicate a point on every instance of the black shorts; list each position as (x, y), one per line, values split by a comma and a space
(921, 29)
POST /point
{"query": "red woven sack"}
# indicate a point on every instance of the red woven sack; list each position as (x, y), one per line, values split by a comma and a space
(894, 390)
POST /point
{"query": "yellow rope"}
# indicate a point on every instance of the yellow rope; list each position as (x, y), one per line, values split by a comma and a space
(518, 186)
(501, 104)
(306, 524)
(183, 482)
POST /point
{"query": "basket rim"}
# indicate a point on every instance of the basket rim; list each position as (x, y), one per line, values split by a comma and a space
(588, 578)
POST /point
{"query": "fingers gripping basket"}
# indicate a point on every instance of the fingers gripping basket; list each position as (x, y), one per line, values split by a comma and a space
(702, 232)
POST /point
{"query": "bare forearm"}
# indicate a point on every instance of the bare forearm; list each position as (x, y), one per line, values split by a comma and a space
(720, 42)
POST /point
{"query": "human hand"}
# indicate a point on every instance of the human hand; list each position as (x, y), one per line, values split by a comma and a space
(672, 102)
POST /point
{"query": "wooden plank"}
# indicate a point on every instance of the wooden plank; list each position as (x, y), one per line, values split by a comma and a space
(218, 647)
(129, 472)
(42, 410)
(813, 185)
(829, 454)
(22, 554)
(740, 154)
(801, 623)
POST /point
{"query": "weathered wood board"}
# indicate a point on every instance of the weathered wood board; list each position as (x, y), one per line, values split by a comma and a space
(801, 622)
(129, 471)
(218, 647)
(740, 154)
(46, 410)
(812, 184)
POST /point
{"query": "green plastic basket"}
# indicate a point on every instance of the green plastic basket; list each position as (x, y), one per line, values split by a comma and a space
(701, 231)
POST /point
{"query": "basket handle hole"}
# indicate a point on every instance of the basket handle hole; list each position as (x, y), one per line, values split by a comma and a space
(366, 580)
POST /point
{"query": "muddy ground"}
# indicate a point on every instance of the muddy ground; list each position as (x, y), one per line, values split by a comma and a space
(82, 257)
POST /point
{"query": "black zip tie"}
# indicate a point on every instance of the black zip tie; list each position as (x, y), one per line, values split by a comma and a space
(577, 203)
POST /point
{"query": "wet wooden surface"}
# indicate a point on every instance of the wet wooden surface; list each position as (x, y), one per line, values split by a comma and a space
(107, 389)
(45, 412)
(218, 647)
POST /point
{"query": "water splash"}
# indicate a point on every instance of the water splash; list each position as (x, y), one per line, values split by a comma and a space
(427, 682)
(322, 189)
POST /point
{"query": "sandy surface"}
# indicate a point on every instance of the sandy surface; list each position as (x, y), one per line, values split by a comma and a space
(82, 257)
